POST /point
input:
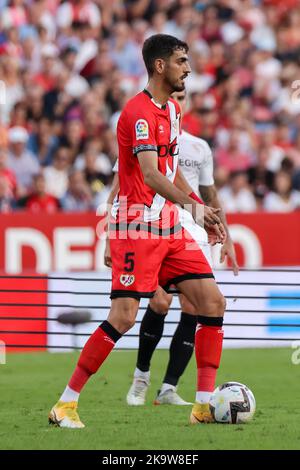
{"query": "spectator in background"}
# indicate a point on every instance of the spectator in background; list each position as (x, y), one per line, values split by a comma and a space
(124, 52)
(231, 157)
(43, 142)
(78, 197)
(6, 201)
(10, 75)
(97, 170)
(73, 136)
(78, 11)
(192, 121)
(14, 14)
(56, 175)
(21, 160)
(35, 106)
(94, 162)
(18, 117)
(46, 76)
(237, 196)
(38, 200)
(7, 173)
(283, 198)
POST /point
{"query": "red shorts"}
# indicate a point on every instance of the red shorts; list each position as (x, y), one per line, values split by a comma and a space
(140, 265)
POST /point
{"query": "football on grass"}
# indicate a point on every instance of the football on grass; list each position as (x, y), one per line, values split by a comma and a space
(232, 403)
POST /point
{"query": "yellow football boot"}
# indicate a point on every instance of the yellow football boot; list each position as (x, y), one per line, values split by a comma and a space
(201, 414)
(64, 415)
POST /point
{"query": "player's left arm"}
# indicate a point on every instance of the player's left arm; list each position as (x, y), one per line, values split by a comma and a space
(210, 197)
(182, 184)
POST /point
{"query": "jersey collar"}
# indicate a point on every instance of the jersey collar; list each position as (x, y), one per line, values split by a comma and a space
(160, 106)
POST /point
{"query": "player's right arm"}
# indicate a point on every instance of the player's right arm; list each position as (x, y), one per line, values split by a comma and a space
(148, 161)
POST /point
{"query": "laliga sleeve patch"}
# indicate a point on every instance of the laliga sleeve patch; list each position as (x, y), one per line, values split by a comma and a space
(141, 129)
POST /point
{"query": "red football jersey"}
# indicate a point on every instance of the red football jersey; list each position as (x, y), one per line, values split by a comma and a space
(144, 126)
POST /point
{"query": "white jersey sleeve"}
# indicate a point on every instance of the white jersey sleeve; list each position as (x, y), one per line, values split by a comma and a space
(206, 175)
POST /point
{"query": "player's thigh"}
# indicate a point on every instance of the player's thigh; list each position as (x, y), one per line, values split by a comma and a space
(185, 260)
(204, 295)
(161, 301)
(123, 313)
(186, 305)
(135, 267)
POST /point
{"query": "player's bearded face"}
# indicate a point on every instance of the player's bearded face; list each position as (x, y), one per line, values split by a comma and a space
(177, 69)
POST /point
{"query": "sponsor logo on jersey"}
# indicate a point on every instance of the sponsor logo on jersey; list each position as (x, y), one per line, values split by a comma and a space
(189, 163)
(165, 150)
(141, 129)
(127, 279)
(161, 129)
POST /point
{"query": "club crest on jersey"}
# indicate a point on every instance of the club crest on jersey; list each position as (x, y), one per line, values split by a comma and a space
(127, 279)
(141, 129)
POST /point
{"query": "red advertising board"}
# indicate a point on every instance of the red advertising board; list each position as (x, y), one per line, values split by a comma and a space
(69, 242)
(21, 323)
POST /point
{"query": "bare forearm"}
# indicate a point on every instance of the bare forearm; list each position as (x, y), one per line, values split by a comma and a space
(161, 185)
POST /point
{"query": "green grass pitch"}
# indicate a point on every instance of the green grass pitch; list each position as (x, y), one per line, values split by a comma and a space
(31, 383)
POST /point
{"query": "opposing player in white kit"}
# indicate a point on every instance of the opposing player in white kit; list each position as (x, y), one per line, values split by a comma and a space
(196, 164)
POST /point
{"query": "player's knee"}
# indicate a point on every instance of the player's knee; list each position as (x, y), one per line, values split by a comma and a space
(214, 307)
(127, 318)
(160, 305)
(123, 323)
(186, 306)
(123, 318)
(127, 323)
(218, 305)
(161, 302)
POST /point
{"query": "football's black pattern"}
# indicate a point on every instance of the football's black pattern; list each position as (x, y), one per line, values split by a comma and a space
(229, 384)
(239, 406)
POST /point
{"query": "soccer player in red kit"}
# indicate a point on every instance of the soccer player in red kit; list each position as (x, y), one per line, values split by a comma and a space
(149, 246)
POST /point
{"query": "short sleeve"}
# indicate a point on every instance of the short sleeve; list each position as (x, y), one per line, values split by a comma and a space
(206, 174)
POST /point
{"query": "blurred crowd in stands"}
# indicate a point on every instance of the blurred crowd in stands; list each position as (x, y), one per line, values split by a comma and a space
(69, 67)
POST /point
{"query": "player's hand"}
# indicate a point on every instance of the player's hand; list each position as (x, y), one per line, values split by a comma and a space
(216, 233)
(211, 216)
(107, 255)
(205, 215)
(229, 251)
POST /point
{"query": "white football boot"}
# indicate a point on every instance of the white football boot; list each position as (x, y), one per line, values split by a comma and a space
(136, 395)
(170, 397)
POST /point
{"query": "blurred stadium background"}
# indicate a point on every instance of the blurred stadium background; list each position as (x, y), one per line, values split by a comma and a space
(66, 70)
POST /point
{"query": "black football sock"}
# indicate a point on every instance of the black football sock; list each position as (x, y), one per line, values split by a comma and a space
(181, 348)
(151, 331)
